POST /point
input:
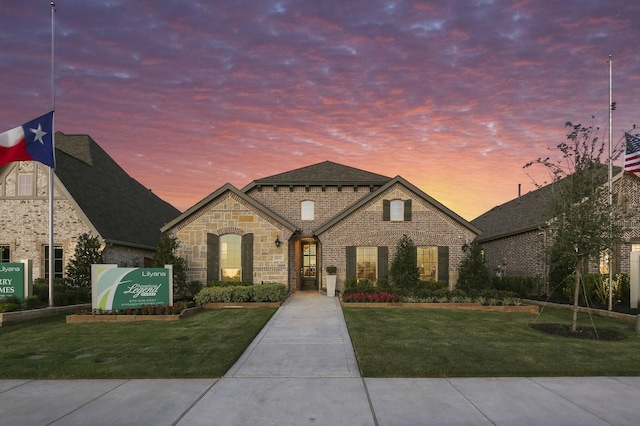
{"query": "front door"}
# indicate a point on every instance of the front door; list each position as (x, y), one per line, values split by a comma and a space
(309, 276)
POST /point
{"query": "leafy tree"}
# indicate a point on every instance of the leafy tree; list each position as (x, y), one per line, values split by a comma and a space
(473, 274)
(584, 223)
(78, 275)
(404, 272)
(166, 255)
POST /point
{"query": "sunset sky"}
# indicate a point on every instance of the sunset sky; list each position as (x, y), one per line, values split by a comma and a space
(454, 96)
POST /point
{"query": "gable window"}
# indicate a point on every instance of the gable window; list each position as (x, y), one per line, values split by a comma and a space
(5, 254)
(428, 263)
(307, 210)
(57, 262)
(230, 257)
(25, 184)
(396, 210)
(366, 263)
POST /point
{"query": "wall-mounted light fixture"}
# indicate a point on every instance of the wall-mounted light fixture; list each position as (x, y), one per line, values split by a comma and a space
(277, 242)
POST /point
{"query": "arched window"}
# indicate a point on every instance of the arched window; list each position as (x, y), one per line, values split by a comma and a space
(231, 257)
(397, 210)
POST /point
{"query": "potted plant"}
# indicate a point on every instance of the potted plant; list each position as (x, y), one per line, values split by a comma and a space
(331, 280)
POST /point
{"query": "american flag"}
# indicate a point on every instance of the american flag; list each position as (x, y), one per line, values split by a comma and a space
(632, 155)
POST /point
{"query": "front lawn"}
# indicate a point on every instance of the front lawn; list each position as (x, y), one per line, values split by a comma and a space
(395, 342)
(204, 345)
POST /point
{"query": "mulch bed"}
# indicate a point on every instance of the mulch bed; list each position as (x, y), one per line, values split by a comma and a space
(590, 333)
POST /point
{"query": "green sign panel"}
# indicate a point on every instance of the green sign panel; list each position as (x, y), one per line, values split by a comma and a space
(130, 288)
(12, 280)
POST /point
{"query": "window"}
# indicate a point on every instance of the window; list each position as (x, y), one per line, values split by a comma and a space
(428, 263)
(57, 262)
(25, 184)
(366, 263)
(307, 210)
(230, 257)
(397, 210)
(5, 254)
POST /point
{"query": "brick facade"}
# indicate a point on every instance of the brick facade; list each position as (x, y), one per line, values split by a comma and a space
(524, 253)
(343, 215)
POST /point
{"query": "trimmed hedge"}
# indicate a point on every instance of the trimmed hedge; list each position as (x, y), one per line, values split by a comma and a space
(240, 293)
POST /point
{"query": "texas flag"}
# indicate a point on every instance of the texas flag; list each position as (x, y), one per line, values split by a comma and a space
(33, 141)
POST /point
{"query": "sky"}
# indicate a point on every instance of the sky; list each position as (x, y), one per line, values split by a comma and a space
(455, 96)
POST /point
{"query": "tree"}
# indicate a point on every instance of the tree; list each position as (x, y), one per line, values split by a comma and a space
(473, 274)
(584, 225)
(404, 272)
(87, 253)
(166, 255)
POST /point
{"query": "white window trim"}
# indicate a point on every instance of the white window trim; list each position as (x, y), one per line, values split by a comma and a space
(307, 210)
(396, 211)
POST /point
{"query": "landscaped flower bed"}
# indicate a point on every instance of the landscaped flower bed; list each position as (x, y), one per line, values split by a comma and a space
(144, 313)
(384, 299)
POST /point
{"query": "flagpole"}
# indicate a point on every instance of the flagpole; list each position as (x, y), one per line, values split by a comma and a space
(53, 148)
(610, 260)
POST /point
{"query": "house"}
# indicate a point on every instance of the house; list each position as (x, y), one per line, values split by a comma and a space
(515, 235)
(289, 227)
(92, 194)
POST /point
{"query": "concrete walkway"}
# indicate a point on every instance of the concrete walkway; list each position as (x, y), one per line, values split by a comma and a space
(301, 369)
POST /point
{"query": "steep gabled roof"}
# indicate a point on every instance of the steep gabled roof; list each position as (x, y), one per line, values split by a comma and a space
(523, 214)
(325, 173)
(390, 183)
(119, 207)
(228, 188)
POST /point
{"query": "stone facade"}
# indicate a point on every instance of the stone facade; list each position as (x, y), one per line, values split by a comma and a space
(25, 223)
(345, 214)
(230, 215)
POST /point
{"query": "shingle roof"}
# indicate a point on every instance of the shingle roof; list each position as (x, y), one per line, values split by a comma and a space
(522, 214)
(325, 173)
(119, 207)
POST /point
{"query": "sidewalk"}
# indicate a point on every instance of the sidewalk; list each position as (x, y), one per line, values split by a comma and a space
(301, 369)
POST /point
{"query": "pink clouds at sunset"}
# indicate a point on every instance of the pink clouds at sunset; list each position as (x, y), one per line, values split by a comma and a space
(454, 96)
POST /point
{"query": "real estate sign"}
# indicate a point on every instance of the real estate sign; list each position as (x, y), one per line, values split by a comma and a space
(14, 279)
(114, 288)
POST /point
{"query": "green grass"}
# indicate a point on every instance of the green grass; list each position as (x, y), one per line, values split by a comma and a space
(395, 342)
(204, 345)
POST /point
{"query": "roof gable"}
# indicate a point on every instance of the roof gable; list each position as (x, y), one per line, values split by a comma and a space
(398, 179)
(325, 173)
(522, 214)
(216, 194)
(119, 207)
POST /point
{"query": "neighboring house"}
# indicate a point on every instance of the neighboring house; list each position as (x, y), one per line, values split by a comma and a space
(289, 227)
(92, 194)
(515, 235)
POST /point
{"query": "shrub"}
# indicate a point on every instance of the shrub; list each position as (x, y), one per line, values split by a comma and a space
(32, 302)
(521, 286)
(597, 289)
(382, 297)
(269, 293)
(238, 294)
(474, 274)
(353, 285)
(404, 272)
